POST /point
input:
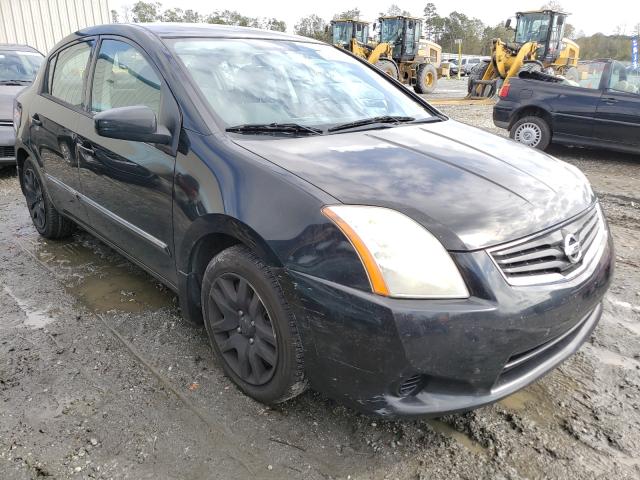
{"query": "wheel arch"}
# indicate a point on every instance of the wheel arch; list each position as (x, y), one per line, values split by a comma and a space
(208, 236)
(532, 110)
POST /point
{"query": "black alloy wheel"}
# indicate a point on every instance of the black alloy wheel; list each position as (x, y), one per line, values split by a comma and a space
(242, 329)
(35, 199)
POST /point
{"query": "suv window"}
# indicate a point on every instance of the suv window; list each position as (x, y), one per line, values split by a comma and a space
(68, 76)
(123, 78)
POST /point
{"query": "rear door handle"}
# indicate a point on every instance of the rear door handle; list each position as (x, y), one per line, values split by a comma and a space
(610, 100)
(35, 119)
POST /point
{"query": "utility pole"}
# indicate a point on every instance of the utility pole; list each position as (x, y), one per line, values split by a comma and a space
(459, 43)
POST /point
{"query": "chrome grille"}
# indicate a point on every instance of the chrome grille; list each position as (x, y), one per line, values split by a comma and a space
(542, 258)
(6, 123)
(7, 151)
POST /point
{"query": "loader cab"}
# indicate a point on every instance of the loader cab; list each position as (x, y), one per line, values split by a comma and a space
(403, 34)
(546, 28)
(344, 30)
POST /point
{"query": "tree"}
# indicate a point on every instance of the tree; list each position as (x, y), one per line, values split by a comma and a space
(274, 24)
(231, 17)
(114, 16)
(173, 15)
(146, 11)
(314, 27)
(433, 23)
(394, 11)
(353, 14)
(191, 16)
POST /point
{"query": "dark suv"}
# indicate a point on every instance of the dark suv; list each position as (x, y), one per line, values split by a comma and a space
(18, 67)
(324, 223)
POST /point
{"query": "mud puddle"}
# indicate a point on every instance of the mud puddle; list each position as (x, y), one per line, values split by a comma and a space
(99, 278)
(459, 437)
(34, 317)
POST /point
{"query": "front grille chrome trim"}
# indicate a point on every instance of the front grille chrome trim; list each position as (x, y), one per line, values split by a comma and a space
(540, 260)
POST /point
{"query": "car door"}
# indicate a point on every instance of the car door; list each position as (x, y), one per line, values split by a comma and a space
(55, 113)
(618, 113)
(128, 185)
(574, 106)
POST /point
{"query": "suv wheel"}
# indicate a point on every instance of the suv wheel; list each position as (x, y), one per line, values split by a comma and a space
(47, 220)
(532, 131)
(251, 328)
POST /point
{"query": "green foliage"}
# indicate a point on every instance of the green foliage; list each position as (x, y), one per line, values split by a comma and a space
(353, 14)
(314, 27)
(605, 46)
(152, 11)
(146, 12)
(394, 11)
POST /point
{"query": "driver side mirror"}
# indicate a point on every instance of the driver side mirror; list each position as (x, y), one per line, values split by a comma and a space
(374, 26)
(137, 124)
(507, 24)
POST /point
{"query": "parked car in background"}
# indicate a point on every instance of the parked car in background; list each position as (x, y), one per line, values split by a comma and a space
(327, 225)
(601, 109)
(18, 67)
(468, 64)
(453, 66)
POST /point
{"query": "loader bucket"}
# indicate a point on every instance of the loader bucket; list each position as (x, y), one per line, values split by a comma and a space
(482, 88)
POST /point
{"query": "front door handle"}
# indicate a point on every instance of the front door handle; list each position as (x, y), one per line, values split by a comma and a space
(610, 100)
(35, 119)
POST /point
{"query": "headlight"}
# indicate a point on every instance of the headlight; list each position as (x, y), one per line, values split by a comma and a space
(401, 258)
(17, 115)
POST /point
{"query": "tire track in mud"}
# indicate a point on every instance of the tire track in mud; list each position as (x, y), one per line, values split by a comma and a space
(228, 443)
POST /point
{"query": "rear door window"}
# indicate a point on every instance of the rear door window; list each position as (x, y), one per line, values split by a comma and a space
(67, 83)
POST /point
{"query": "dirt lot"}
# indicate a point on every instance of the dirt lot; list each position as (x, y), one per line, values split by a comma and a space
(101, 378)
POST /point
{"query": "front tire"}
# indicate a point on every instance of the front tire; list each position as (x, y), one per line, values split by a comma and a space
(48, 221)
(426, 78)
(532, 131)
(251, 327)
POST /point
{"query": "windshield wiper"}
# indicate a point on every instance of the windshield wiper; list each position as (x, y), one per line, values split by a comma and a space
(274, 128)
(370, 121)
(15, 82)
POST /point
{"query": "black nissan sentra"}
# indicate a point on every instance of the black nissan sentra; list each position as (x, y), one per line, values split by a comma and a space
(327, 225)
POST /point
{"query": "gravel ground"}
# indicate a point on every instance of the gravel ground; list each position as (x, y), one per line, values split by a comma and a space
(101, 378)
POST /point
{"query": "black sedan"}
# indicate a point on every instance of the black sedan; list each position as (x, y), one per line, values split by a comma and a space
(18, 67)
(327, 226)
(601, 109)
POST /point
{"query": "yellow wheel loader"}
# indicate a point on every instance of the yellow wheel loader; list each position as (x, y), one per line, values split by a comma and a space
(538, 46)
(400, 52)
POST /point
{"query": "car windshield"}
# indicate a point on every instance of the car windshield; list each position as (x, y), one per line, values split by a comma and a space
(263, 82)
(19, 66)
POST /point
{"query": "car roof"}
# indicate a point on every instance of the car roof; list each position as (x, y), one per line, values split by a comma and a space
(16, 47)
(173, 30)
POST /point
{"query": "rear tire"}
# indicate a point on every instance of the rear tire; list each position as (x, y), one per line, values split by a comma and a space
(389, 67)
(532, 131)
(48, 221)
(251, 328)
(426, 78)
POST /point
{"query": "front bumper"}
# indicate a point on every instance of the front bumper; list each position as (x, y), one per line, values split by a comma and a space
(363, 349)
(7, 145)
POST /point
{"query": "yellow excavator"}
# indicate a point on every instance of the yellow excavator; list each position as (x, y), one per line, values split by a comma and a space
(539, 45)
(400, 52)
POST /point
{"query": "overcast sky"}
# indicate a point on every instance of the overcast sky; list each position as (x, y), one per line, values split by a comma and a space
(591, 17)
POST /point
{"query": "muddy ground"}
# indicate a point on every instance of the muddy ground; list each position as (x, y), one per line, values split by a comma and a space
(101, 378)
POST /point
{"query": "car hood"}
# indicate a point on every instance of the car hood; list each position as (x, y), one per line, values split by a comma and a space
(470, 188)
(7, 94)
